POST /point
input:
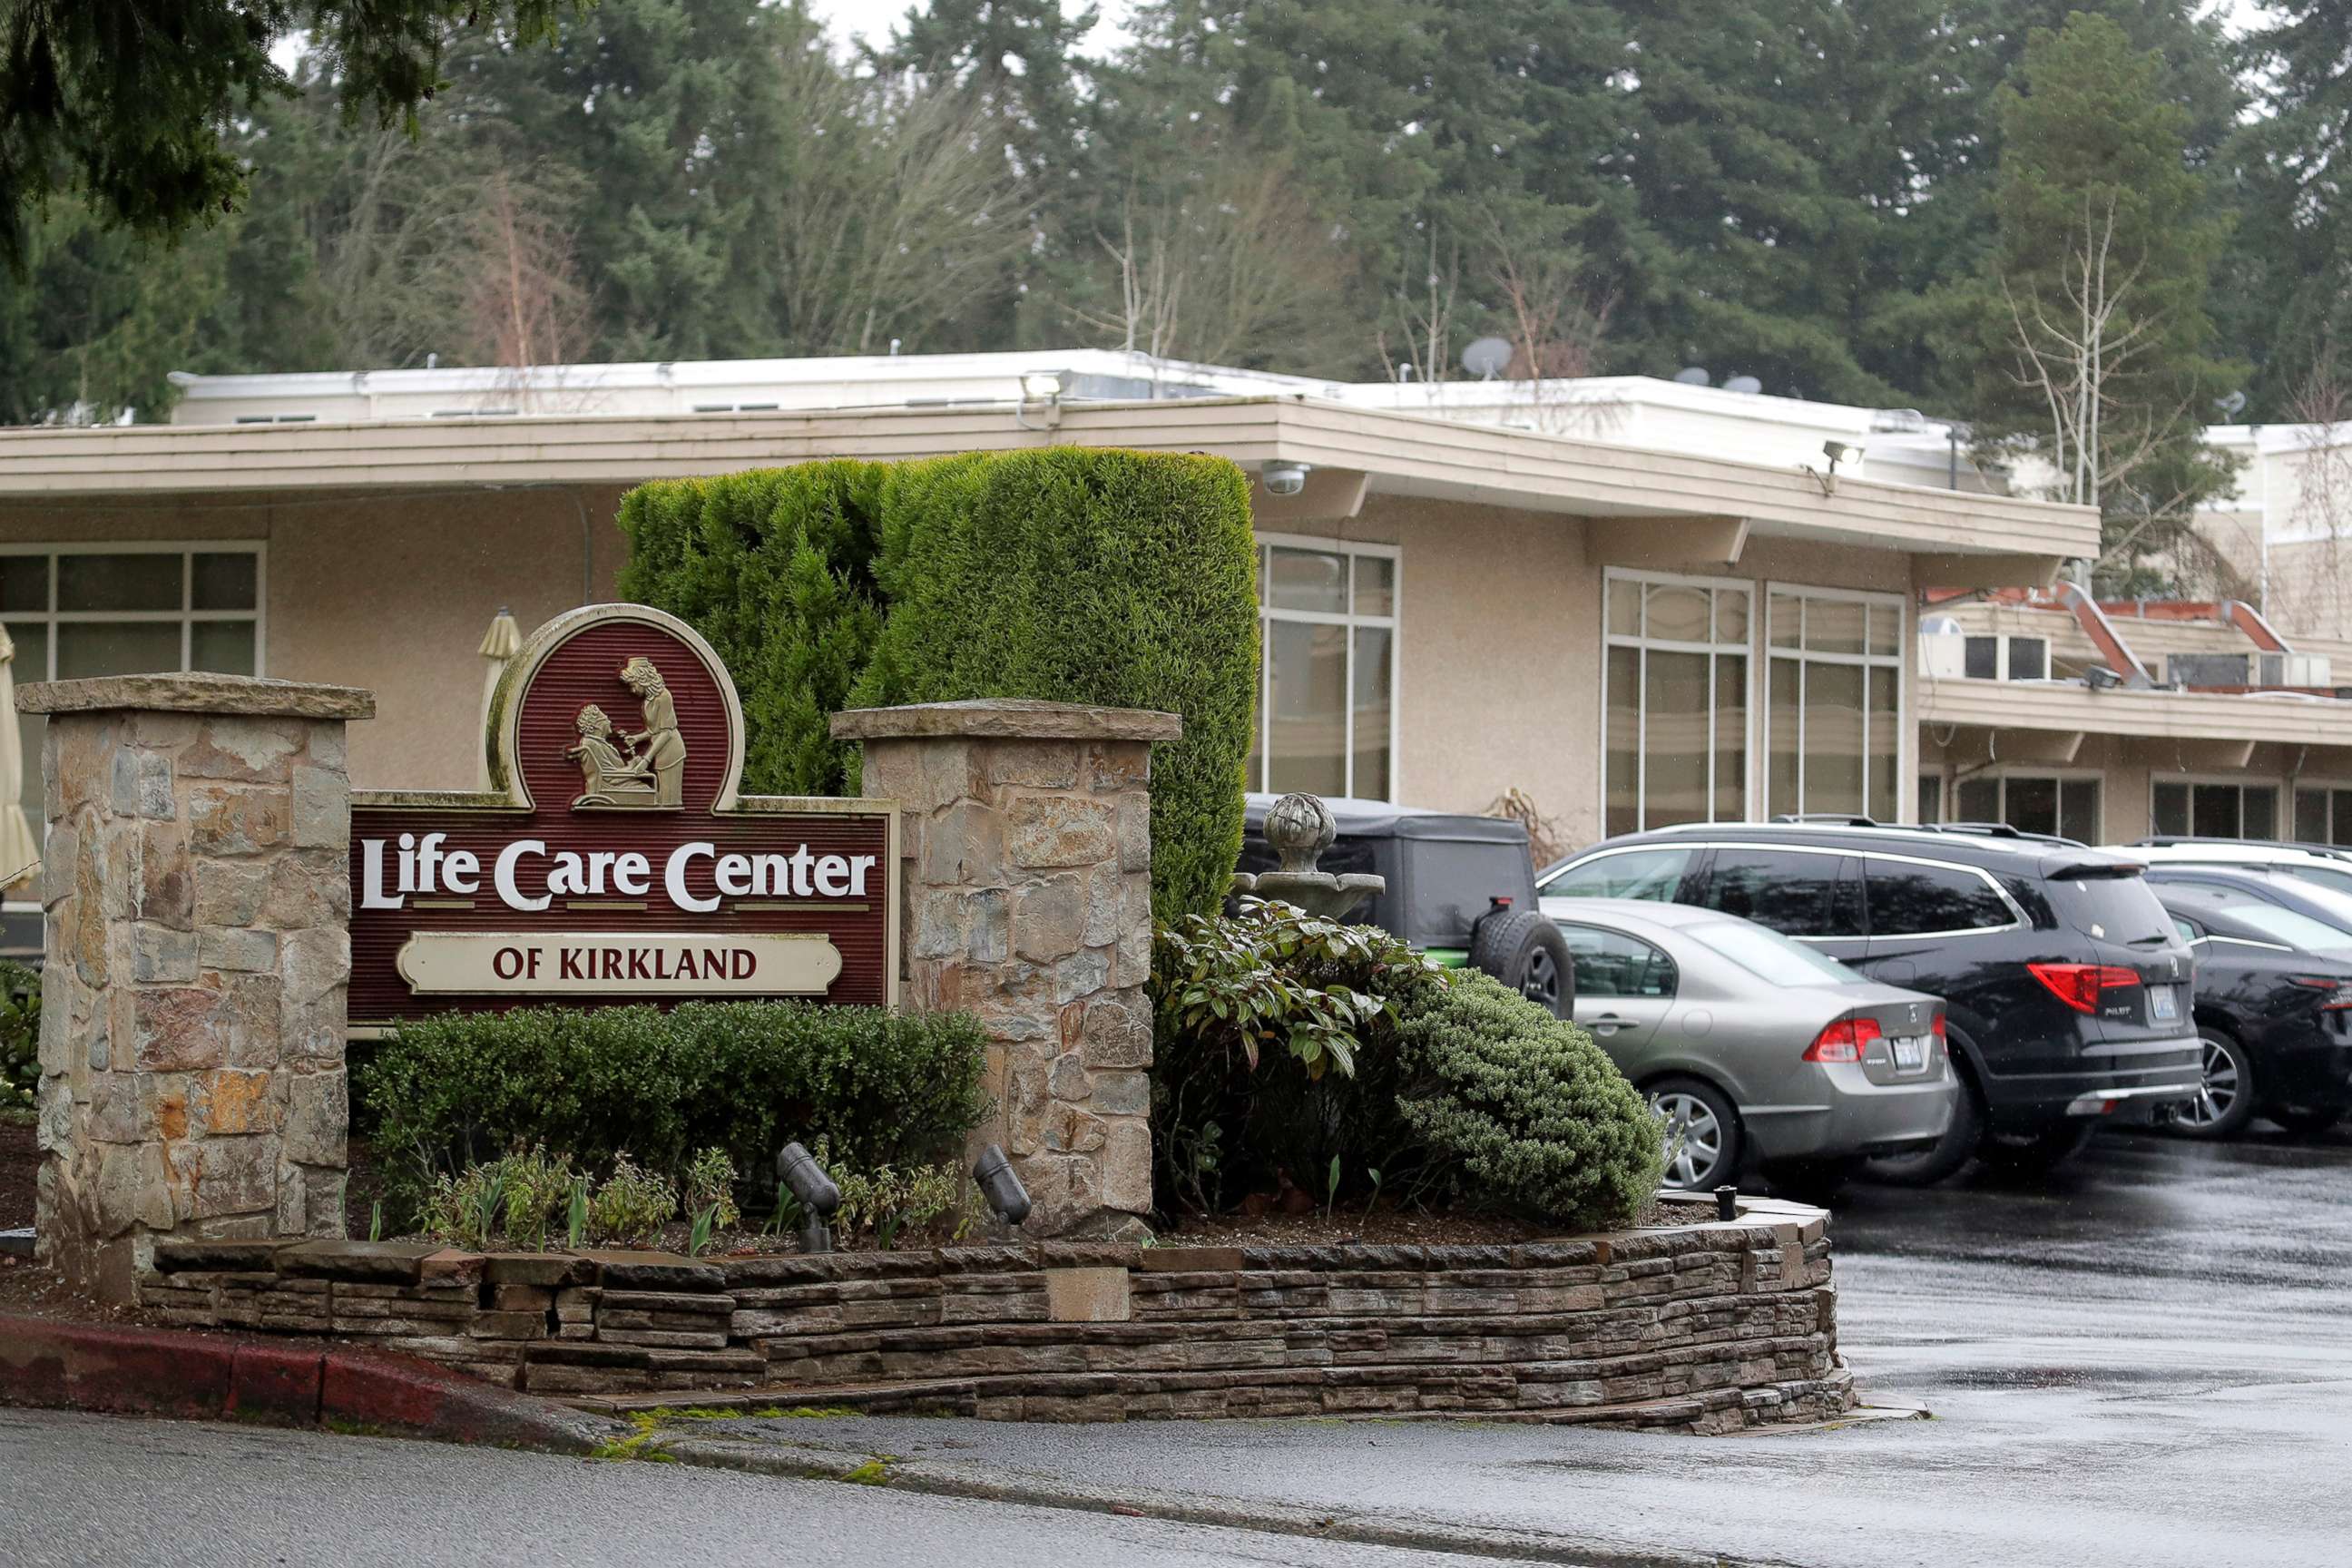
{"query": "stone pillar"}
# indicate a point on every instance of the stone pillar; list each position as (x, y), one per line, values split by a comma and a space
(198, 896)
(1026, 831)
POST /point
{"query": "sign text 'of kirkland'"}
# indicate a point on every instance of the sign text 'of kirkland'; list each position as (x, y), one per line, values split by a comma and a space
(614, 859)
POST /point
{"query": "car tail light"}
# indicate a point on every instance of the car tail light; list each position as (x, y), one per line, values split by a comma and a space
(1937, 1029)
(1843, 1041)
(2339, 992)
(2082, 985)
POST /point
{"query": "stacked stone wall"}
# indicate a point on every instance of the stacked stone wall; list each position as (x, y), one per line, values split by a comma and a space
(1700, 1327)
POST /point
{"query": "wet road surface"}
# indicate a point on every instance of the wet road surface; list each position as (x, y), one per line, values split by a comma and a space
(2146, 1361)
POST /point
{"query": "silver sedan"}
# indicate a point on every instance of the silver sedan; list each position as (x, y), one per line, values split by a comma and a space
(1755, 1046)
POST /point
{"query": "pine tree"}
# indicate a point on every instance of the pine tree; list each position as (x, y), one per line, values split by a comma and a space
(2097, 343)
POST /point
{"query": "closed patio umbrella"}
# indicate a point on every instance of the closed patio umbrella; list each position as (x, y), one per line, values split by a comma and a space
(499, 643)
(20, 852)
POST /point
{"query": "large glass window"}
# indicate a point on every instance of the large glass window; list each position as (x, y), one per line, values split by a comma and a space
(1908, 899)
(1833, 732)
(77, 613)
(1790, 890)
(2214, 810)
(1327, 704)
(2032, 803)
(2323, 814)
(1675, 693)
(1611, 964)
(1654, 874)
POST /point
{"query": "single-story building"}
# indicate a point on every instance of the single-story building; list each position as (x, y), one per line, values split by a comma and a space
(1628, 635)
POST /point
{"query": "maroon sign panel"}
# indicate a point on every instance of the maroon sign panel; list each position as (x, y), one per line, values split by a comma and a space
(614, 860)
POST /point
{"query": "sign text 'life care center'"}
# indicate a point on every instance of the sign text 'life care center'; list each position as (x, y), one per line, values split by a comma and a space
(614, 858)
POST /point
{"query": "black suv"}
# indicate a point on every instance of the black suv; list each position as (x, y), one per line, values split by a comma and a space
(1462, 889)
(2067, 989)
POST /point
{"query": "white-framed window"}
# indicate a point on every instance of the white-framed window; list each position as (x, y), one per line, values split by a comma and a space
(1836, 726)
(2214, 808)
(80, 610)
(1675, 700)
(1327, 709)
(2063, 804)
(2323, 812)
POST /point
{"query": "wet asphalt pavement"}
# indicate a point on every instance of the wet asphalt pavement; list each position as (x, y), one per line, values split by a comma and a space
(2146, 1360)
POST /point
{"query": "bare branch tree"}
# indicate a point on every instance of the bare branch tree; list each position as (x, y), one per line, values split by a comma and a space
(1556, 328)
(2314, 596)
(524, 300)
(1422, 314)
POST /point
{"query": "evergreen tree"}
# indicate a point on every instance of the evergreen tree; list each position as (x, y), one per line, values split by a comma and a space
(2292, 301)
(2097, 348)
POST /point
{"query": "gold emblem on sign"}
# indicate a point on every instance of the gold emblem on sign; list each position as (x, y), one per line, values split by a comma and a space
(635, 769)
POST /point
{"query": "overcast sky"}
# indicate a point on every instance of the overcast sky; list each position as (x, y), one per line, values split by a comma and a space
(875, 17)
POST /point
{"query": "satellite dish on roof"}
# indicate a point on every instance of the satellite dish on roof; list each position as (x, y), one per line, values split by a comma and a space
(1487, 357)
(1693, 375)
(2231, 406)
(1748, 386)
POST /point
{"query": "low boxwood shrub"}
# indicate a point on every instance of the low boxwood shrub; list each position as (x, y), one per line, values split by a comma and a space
(885, 1088)
(1521, 1110)
(20, 1035)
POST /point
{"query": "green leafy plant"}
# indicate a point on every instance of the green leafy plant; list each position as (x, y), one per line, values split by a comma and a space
(698, 1235)
(631, 1205)
(786, 1215)
(886, 1086)
(1273, 976)
(575, 1220)
(536, 1188)
(886, 1201)
(1331, 1189)
(20, 1035)
(375, 1221)
(709, 1184)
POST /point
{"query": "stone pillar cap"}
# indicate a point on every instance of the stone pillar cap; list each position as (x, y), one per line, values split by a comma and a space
(1006, 718)
(197, 693)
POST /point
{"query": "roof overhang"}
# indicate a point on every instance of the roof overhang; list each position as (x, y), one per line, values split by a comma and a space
(1970, 535)
(2219, 729)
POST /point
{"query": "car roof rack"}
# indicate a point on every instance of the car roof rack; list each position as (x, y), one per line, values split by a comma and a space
(1829, 819)
(2003, 830)
(2191, 840)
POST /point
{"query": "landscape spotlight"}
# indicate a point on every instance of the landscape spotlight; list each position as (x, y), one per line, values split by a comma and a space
(798, 1169)
(1000, 1186)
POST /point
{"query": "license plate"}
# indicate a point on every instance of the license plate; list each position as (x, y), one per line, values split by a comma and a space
(2164, 1004)
(1910, 1052)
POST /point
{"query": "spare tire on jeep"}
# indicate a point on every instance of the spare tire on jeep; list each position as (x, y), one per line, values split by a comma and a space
(1526, 952)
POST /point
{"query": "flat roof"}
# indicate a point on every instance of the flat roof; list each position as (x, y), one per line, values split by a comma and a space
(1401, 453)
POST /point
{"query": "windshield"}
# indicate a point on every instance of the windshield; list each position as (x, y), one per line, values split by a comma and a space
(1770, 956)
(2297, 931)
(2121, 909)
(1653, 874)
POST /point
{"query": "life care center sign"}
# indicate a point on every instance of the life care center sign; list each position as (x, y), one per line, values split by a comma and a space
(612, 859)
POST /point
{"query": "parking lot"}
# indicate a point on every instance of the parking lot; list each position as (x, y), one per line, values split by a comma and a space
(2145, 1358)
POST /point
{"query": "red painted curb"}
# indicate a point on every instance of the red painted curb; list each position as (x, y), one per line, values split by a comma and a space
(56, 1364)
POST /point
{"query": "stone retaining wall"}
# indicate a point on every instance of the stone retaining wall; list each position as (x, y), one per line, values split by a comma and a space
(1700, 1327)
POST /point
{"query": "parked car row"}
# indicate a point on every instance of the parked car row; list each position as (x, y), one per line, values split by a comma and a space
(1817, 997)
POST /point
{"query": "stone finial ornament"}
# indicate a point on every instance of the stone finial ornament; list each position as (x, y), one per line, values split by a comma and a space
(1298, 829)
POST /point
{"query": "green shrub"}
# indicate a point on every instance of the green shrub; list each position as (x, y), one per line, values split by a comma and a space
(1522, 1111)
(20, 1035)
(1069, 574)
(630, 1207)
(1066, 574)
(775, 569)
(1252, 1014)
(742, 1077)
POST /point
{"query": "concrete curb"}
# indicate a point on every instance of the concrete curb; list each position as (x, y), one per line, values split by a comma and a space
(56, 1364)
(949, 1478)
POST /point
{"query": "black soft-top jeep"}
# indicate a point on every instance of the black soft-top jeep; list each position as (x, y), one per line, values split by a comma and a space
(1462, 889)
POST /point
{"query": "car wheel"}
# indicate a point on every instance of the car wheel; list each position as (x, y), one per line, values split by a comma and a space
(2305, 1118)
(1526, 952)
(2226, 1102)
(1703, 1139)
(2039, 1152)
(1945, 1157)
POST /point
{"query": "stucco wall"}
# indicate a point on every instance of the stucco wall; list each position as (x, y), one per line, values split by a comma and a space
(389, 594)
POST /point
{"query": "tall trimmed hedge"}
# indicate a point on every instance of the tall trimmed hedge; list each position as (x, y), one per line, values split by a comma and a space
(1067, 574)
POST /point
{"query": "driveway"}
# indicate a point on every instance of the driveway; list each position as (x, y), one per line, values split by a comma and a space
(2148, 1362)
